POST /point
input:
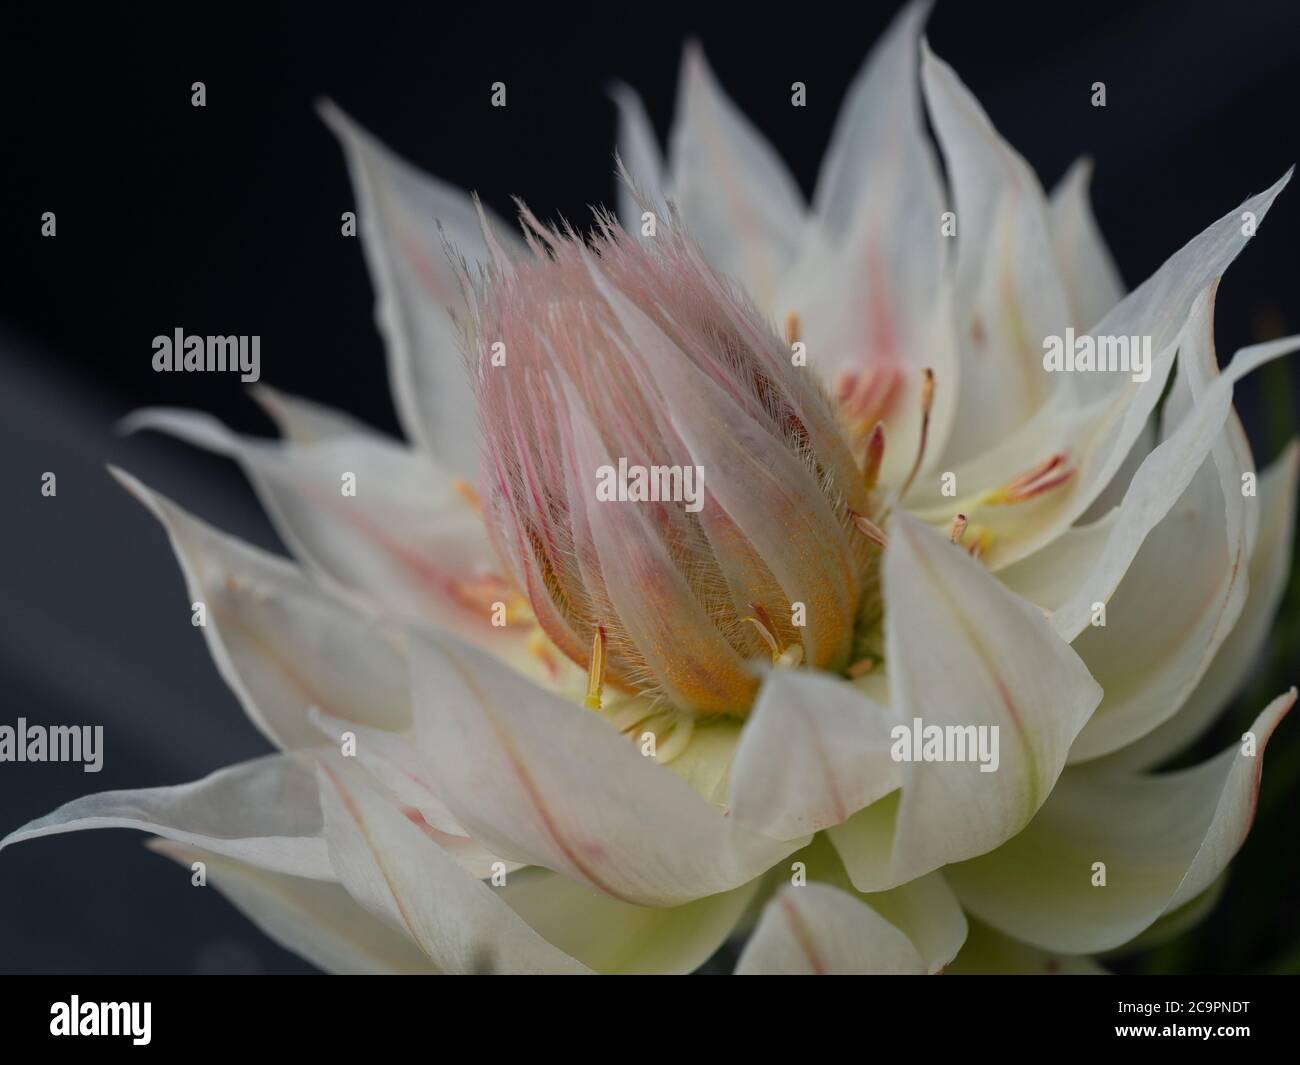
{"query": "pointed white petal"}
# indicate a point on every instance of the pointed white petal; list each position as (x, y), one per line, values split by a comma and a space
(1161, 480)
(819, 930)
(317, 920)
(1186, 587)
(264, 812)
(304, 421)
(282, 643)
(1163, 839)
(734, 193)
(407, 219)
(542, 781)
(1008, 295)
(870, 287)
(1088, 273)
(964, 653)
(1240, 652)
(399, 875)
(403, 542)
(639, 151)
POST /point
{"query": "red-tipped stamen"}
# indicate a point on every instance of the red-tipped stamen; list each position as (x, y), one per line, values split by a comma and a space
(875, 455)
(958, 529)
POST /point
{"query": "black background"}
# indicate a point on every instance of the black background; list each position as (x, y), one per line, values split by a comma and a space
(225, 219)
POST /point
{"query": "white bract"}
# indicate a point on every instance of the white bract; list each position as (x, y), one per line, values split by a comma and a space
(526, 728)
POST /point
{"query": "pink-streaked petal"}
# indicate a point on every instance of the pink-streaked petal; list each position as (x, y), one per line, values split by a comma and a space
(964, 651)
(539, 780)
(402, 877)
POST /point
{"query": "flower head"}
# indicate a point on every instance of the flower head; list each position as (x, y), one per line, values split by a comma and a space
(899, 530)
(620, 354)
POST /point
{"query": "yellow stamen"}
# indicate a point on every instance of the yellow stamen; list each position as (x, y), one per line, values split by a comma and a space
(958, 529)
(792, 328)
(596, 671)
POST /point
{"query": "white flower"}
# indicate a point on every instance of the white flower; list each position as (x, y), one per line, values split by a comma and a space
(953, 520)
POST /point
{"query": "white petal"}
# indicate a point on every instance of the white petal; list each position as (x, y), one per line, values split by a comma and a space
(404, 215)
(736, 196)
(542, 781)
(928, 913)
(1164, 839)
(813, 751)
(964, 651)
(304, 421)
(870, 287)
(399, 875)
(407, 544)
(1160, 481)
(615, 938)
(1186, 587)
(639, 151)
(282, 643)
(1091, 281)
(264, 812)
(1008, 295)
(1161, 304)
(819, 930)
(1240, 652)
(317, 920)
(395, 762)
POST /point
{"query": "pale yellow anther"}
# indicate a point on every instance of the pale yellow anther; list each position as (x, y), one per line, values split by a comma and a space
(596, 671)
(467, 492)
(869, 529)
(792, 328)
(762, 621)
(958, 529)
(861, 667)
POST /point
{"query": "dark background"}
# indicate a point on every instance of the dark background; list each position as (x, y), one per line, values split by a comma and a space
(225, 219)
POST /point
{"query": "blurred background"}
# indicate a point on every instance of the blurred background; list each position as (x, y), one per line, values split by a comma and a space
(225, 219)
